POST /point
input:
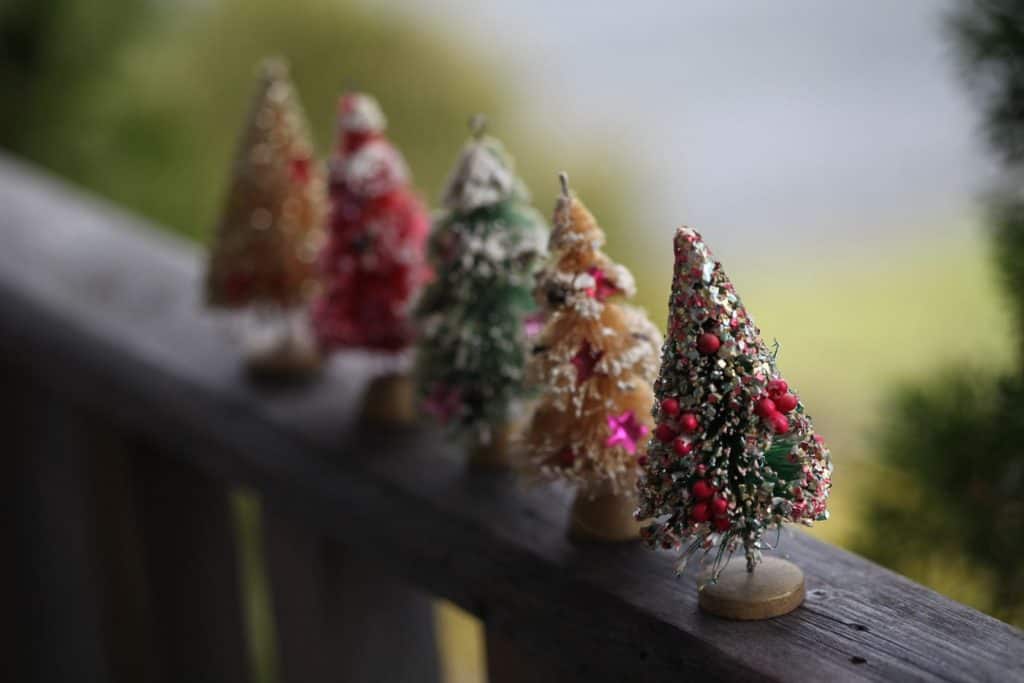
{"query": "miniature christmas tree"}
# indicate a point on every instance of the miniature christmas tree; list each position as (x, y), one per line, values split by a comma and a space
(374, 263)
(595, 360)
(262, 263)
(485, 248)
(734, 453)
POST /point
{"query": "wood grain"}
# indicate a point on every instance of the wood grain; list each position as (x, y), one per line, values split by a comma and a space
(60, 628)
(339, 619)
(101, 307)
(191, 559)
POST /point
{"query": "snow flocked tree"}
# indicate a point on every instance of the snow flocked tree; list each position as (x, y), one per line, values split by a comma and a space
(374, 264)
(485, 248)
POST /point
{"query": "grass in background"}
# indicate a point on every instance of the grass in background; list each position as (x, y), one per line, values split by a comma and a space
(252, 569)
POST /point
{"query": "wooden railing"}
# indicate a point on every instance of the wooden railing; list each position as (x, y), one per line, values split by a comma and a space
(127, 422)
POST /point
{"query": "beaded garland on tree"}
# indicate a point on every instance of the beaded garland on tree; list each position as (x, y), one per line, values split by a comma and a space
(594, 361)
(734, 453)
(265, 246)
(485, 248)
(375, 262)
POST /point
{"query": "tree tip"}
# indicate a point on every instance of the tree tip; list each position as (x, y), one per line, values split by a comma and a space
(563, 179)
(275, 66)
(477, 124)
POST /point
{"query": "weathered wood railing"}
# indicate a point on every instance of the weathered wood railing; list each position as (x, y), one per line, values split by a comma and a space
(127, 421)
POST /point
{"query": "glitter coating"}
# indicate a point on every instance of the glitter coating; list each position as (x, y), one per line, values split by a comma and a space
(749, 467)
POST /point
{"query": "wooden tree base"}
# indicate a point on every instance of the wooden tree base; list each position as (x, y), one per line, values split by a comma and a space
(774, 588)
(496, 453)
(284, 362)
(607, 518)
(390, 398)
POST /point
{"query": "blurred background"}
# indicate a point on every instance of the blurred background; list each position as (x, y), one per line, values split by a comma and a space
(855, 166)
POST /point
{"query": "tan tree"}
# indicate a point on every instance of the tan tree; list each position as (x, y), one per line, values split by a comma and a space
(595, 361)
(264, 250)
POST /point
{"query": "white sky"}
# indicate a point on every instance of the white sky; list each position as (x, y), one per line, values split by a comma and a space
(797, 121)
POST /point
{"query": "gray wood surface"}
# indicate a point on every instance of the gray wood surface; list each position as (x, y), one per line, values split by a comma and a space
(191, 561)
(59, 635)
(100, 306)
(340, 619)
(128, 630)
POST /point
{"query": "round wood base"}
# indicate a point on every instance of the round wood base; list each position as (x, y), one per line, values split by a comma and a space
(774, 588)
(288, 361)
(496, 453)
(607, 518)
(390, 398)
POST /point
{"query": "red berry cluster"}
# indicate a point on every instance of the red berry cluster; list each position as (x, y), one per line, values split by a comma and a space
(710, 505)
(676, 425)
(773, 405)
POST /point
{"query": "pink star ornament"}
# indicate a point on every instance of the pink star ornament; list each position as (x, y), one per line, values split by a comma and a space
(626, 431)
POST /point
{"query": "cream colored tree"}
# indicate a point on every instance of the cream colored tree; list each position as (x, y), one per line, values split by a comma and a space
(262, 264)
(594, 362)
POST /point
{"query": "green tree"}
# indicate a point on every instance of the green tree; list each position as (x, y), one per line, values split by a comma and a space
(956, 443)
(485, 249)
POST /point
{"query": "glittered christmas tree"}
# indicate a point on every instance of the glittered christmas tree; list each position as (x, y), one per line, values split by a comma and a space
(485, 248)
(374, 264)
(734, 453)
(262, 261)
(595, 362)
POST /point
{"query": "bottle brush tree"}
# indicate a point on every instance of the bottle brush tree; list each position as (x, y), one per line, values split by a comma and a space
(595, 361)
(262, 260)
(485, 248)
(374, 264)
(734, 454)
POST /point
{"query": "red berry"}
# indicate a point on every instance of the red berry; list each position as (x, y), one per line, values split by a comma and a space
(777, 388)
(786, 403)
(682, 446)
(300, 170)
(779, 423)
(664, 433)
(700, 513)
(688, 422)
(708, 343)
(764, 408)
(670, 406)
(722, 523)
(719, 506)
(566, 457)
(702, 490)
(642, 461)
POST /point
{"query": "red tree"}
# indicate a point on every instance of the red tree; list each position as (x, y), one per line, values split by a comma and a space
(374, 262)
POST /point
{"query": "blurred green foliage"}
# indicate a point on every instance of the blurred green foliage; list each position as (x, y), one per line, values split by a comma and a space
(989, 37)
(956, 442)
(142, 101)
